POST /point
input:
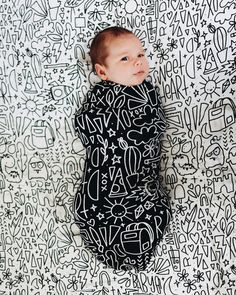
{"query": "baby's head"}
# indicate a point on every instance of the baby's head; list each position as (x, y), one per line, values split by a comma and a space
(117, 55)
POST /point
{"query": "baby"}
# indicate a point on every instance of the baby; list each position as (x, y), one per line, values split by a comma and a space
(121, 209)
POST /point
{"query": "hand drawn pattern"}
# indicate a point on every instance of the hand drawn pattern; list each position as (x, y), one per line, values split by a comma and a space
(121, 209)
(44, 77)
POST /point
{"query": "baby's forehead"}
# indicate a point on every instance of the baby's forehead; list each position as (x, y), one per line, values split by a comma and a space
(124, 40)
(125, 36)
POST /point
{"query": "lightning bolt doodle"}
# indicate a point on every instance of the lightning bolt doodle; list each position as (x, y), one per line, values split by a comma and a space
(228, 68)
(221, 244)
(204, 7)
(198, 9)
(57, 52)
(82, 277)
(174, 23)
(43, 252)
(17, 28)
(198, 256)
(21, 259)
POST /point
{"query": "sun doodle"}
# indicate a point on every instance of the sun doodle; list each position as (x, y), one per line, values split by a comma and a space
(31, 105)
(118, 211)
(210, 86)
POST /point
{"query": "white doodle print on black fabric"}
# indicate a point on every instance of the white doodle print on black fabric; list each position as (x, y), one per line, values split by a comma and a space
(45, 74)
(121, 208)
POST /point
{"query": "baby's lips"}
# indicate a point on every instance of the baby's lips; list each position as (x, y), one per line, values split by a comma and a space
(139, 72)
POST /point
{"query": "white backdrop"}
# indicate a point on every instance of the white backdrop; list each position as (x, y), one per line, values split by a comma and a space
(44, 75)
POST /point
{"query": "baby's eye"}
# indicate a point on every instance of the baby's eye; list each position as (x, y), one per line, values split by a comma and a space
(125, 58)
(141, 55)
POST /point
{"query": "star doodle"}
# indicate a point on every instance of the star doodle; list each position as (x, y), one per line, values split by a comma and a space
(111, 132)
(100, 216)
(94, 207)
(113, 147)
(115, 159)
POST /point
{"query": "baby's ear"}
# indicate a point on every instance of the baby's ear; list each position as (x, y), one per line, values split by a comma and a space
(101, 71)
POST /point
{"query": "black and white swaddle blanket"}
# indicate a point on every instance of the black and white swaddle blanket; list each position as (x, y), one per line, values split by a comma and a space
(120, 207)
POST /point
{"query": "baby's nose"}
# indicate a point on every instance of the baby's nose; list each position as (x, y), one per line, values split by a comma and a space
(137, 62)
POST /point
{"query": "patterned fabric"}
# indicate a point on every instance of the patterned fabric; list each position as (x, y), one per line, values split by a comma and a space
(121, 209)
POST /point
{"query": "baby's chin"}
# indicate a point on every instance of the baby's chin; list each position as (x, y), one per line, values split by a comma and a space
(134, 82)
(138, 78)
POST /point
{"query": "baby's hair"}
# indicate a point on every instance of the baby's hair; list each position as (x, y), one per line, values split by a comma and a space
(98, 49)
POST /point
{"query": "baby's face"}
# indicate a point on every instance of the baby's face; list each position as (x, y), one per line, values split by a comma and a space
(126, 63)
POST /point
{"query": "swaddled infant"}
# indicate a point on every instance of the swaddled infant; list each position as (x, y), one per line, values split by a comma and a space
(121, 209)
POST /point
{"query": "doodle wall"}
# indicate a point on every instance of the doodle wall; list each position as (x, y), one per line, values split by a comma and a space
(45, 73)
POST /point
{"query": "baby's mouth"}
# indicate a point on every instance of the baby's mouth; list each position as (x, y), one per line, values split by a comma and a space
(139, 73)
